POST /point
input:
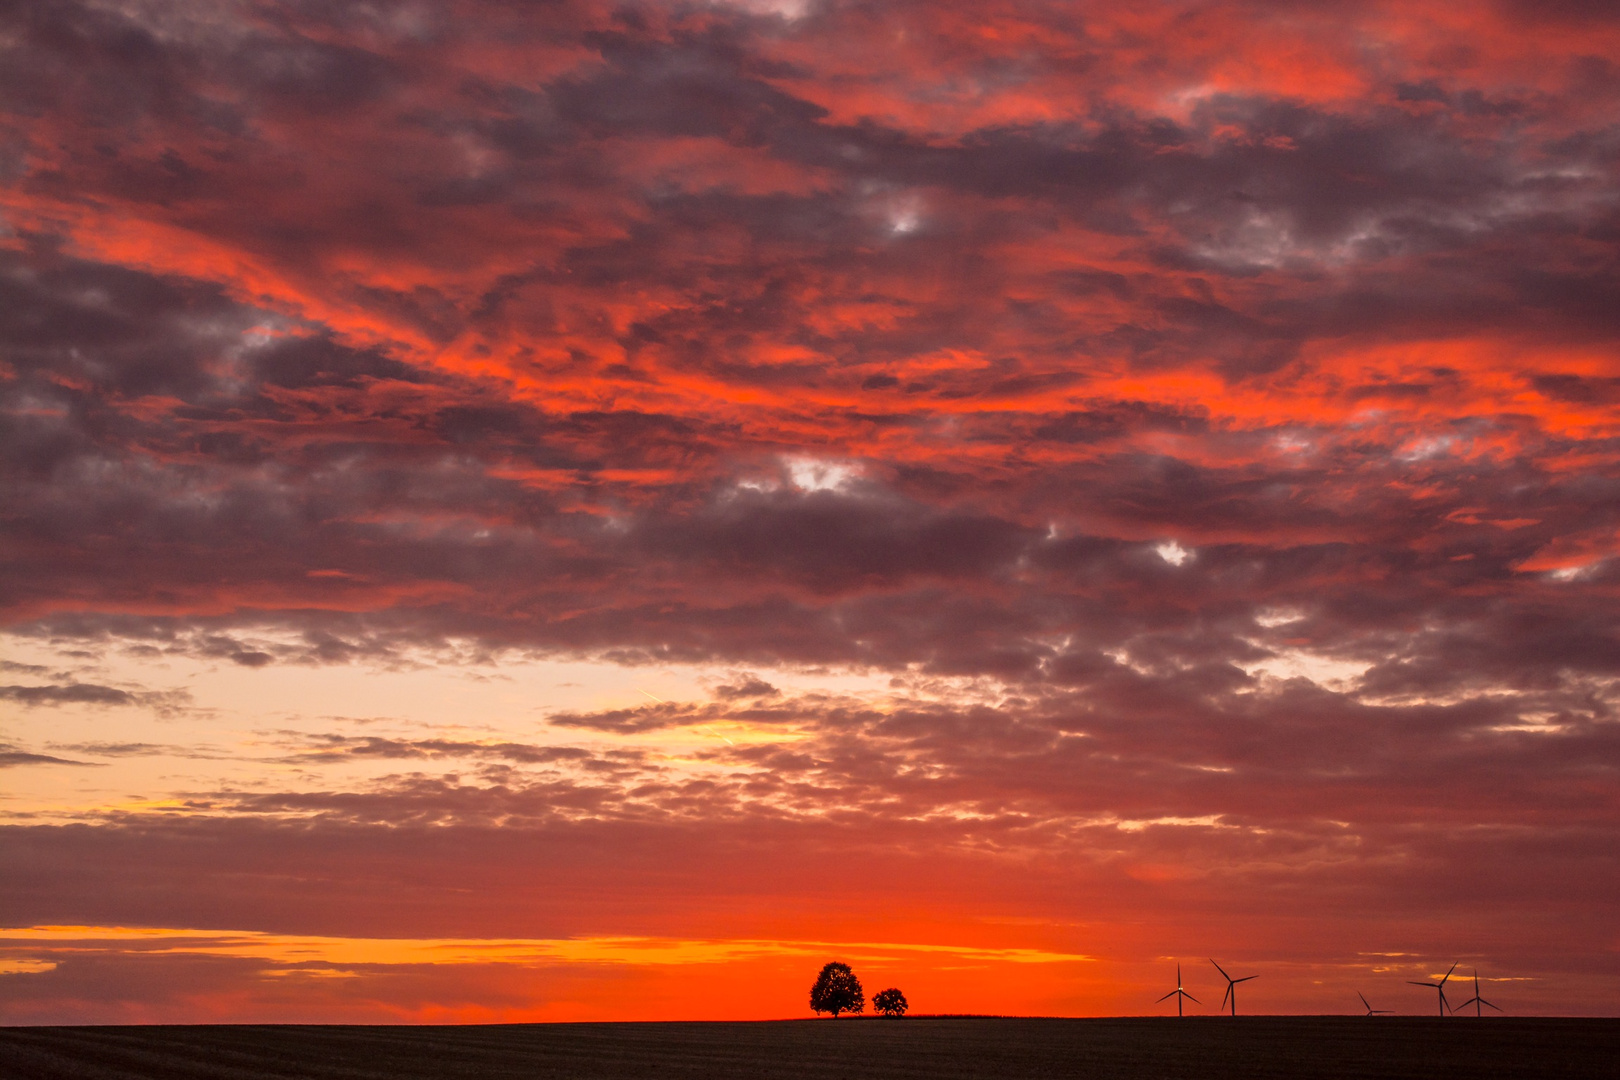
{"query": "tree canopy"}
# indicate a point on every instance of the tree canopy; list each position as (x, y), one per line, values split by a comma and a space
(890, 1002)
(837, 990)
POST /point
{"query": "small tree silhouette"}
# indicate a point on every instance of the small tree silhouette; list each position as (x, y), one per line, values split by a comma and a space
(837, 990)
(890, 1002)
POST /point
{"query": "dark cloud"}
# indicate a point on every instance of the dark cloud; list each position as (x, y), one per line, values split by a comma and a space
(834, 543)
(163, 702)
(334, 748)
(1574, 11)
(747, 686)
(1205, 420)
(124, 749)
(11, 756)
(75, 693)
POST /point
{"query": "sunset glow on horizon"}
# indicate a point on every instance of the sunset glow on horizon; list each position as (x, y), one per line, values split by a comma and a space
(590, 511)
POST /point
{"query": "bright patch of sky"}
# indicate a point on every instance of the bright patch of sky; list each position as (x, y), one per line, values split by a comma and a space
(1325, 671)
(812, 474)
(1173, 553)
(307, 949)
(789, 10)
(1270, 617)
(1205, 821)
(203, 726)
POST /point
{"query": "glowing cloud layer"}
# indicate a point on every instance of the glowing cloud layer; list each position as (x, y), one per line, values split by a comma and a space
(1015, 480)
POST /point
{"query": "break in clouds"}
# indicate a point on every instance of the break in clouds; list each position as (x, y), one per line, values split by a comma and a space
(1195, 427)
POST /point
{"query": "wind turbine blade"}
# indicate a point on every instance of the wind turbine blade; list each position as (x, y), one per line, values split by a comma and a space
(1431, 986)
(1225, 996)
(1171, 994)
(1222, 970)
(1447, 975)
(1482, 1001)
(1246, 978)
(1195, 1000)
(1363, 1001)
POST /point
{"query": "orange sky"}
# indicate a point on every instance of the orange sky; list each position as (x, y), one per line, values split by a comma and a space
(518, 513)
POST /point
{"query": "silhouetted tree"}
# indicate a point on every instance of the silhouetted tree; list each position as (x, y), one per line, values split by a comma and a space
(837, 990)
(890, 1002)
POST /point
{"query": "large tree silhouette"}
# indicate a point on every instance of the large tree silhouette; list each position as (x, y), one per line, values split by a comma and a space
(837, 990)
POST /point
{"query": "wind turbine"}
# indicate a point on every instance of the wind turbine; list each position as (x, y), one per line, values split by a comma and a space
(1178, 993)
(1476, 1001)
(1231, 986)
(1370, 1010)
(1445, 1005)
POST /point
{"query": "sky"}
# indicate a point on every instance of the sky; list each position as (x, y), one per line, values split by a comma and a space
(588, 510)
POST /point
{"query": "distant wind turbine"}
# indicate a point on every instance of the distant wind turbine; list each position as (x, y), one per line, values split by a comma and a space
(1231, 986)
(1178, 993)
(1476, 1001)
(1445, 1006)
(1370, 1010)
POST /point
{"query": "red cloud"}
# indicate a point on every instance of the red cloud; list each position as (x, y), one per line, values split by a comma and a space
(1225, 402)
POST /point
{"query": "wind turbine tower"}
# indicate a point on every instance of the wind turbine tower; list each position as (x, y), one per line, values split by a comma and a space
(1178, 993)
(1445, 1006)
(1231, 986)
(1476, 1001)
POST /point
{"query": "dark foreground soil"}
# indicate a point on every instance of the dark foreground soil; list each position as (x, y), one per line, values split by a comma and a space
(924, 1048)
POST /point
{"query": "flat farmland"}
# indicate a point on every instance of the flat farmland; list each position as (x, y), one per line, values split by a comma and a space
(936, 1048)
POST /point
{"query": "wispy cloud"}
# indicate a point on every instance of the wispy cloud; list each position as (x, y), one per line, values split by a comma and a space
(1175, 445)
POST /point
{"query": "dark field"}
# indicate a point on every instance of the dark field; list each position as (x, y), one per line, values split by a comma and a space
(1205, 1047)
